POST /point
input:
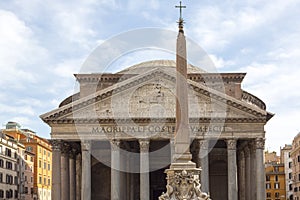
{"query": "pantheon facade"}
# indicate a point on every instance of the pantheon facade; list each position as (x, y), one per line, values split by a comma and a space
(115, 137)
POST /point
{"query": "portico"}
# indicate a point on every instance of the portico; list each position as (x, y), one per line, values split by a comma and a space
(114, 142)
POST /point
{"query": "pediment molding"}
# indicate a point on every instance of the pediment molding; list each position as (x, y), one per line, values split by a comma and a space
(57, 115)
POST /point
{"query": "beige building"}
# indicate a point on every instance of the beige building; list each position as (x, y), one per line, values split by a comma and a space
(295, 155)
(286, 159)
(28, 189)
(9, 168)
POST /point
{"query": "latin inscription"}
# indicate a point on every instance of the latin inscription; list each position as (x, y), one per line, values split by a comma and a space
(155, 129)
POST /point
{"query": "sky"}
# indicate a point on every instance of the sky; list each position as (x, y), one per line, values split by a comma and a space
(43, 43)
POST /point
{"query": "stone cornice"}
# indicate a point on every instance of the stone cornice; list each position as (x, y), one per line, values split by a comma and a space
(57, 114)
(155, 120)
(217, 77)
(102, 77)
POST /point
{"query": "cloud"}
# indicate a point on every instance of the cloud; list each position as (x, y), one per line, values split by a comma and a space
(18, 48)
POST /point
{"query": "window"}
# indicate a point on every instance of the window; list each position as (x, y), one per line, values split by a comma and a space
(268, 186)
(1, 153)
(8, 152)
(1, 194)
(276, 185)
(16, 180)
(40, 180)
(267, 178)
(277, 194)
(45, 181)
(290, 187)
(1, 163)
(31, 179)
(45, 165)
(26, 190)
(16, 155)
(40, 164)
(49, 154)
(49, 181)
(276, 178)
(269, 195)
(290, 165)
(298, 157)
(9, 194)
(16, 194)
(9, 179)
(1, 177)
(8, 165)
(44, 152)
(29, 148)
(49, 167)
(276, 169)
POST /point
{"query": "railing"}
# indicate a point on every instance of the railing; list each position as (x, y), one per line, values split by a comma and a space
(249, 98)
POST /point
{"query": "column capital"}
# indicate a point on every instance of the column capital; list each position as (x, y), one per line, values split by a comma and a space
(144, 145)
(65, 148)
(115, 144)
(86, 145)
(203, 144)
(252, 146)
(260, 143)
(56, 145)
(231, 144)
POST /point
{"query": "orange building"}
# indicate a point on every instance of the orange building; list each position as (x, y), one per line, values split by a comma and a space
(275, 181)
(42, 150)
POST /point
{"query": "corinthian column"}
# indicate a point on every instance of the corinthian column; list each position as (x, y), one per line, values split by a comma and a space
(242, 175)
(56, 165)
(232, 170)
(86, 170)
(144, 170)
(248, 172)
(253, 169)
(260, 169)
(115, 167)
(72, 176)
(204, 164)
(65, 181)
(78, 176)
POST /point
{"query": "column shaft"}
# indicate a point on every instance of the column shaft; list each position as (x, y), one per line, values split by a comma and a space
(232, 170)
(72, 176)
(56, 165)
(204, 164)
(144, 170)
(260, 170)
(65, 173)
(253, 170)
(248, 173)
(242, 176)
(115, 167)
(86, 170)
(78, 176)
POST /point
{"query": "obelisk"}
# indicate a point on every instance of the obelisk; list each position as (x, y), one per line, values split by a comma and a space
(183, 176)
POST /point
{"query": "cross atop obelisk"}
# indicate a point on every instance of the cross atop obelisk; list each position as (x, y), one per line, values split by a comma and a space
(180, 8)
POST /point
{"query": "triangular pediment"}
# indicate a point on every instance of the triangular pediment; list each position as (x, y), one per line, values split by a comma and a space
(152, 95)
